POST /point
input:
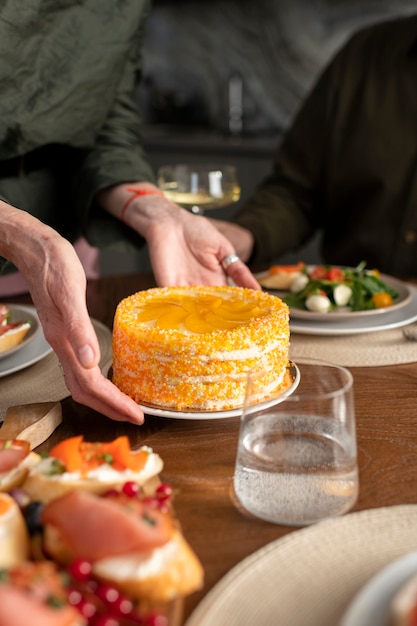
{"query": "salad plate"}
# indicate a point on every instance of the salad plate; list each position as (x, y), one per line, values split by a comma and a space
(365, 324)
(344, 313)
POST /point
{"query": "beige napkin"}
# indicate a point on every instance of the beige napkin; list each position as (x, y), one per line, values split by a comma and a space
(44, 381)
(385, 347)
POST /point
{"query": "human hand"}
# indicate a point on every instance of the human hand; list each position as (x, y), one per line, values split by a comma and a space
(57, 285)
(241, 238)
(189, 250)
(184, 249)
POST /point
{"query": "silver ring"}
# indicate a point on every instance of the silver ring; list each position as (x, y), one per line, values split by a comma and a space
(229, 260)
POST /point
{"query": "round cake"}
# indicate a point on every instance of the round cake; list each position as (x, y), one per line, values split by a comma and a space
(190, 348)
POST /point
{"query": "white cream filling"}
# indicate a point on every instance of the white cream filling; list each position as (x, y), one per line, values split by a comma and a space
(137, 566)
(104, 473)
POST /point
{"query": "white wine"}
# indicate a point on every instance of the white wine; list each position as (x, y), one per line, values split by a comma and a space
(204, 201)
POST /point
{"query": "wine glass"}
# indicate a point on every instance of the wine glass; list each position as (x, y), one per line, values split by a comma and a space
(199, 188)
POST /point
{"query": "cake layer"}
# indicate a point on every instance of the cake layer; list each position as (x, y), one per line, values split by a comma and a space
(191, 347)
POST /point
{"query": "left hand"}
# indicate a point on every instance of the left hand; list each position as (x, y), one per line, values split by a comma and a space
(184, 249)
(188, 250)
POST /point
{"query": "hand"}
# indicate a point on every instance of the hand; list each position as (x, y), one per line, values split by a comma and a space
(184, 249)
(240, 238)
(188, 250)
(57, 285)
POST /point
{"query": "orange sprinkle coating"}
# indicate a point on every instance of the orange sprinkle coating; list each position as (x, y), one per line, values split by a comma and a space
(191, 347)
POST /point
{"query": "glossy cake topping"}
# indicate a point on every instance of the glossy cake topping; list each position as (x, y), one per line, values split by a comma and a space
(198, 313)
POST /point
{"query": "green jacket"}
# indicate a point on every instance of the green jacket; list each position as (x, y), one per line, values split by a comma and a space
(68, 74)
(348, 165)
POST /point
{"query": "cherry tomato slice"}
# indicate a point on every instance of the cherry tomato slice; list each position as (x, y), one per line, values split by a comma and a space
(336, 274)
(382, 299)
(319, 272)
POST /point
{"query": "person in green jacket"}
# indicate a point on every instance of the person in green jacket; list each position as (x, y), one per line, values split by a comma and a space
(72, 164)
(347, 166)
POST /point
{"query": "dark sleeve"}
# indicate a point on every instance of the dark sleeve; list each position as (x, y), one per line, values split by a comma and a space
(285, 210)
(117, 157)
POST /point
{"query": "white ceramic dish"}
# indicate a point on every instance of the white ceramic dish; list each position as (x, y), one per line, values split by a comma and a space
(371, 605)
(31, 352)
(22, 314)
(387, 321)
(404, 298)
(211, 415)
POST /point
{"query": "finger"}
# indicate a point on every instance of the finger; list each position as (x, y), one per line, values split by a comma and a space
(241, 275)
(99, 393)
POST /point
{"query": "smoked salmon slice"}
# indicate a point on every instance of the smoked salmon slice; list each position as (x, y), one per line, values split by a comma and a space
(95, 527)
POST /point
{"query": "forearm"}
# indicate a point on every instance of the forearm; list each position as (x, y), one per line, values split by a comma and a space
(24, 240)
(142, 206)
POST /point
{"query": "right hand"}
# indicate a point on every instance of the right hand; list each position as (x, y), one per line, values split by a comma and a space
(240, 238)
(57, 284)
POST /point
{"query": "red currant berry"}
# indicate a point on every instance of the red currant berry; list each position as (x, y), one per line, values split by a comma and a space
(164, 491)
(107, 593)
(123, 606)
(74, 596)
(86, 608)
(80, 569)
(131, 489)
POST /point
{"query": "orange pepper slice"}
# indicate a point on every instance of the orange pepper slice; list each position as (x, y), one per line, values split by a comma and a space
(68, 452)
(287, 269)
(82, 456)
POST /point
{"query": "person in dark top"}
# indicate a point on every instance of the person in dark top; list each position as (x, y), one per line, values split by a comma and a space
(348, 164)
(72, 164)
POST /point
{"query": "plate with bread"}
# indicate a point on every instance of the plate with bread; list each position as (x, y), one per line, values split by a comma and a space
(94, 523)
(18, 327)
(33, 348)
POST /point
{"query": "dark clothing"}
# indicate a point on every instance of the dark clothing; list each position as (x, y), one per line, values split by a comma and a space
(348, 165)
(68, 74)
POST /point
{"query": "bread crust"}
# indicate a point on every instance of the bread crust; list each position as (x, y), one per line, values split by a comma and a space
(16, 477)
(154, 578)
(13, 337)
(280, 281)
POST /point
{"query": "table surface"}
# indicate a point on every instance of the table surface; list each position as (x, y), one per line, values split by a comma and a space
(199, 455)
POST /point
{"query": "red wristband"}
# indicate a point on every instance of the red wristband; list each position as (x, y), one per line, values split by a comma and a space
(136, 193)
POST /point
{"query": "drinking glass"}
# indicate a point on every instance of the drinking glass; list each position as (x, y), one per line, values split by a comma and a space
(199, 188)
(296, 461)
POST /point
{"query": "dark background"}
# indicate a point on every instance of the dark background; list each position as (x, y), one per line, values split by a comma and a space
(224, 78)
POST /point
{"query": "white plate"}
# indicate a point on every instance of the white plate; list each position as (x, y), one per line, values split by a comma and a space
(404, 298)
(210, 415)
(31, 353)
(371, 606)
(394, 319)
(21, 314)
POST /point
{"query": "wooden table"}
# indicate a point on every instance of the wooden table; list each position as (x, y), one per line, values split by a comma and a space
(199, 455)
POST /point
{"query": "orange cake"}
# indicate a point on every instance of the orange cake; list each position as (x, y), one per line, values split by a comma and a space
(189, 348)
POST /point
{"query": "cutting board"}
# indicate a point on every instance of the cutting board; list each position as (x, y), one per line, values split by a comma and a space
(32, 422)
